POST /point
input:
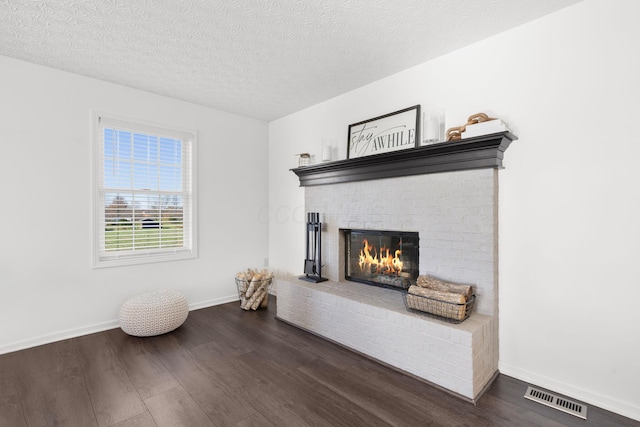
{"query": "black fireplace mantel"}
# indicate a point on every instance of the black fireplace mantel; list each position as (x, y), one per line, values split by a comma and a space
(480, 152)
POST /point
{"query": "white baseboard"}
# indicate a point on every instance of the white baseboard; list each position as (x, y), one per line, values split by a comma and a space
(98, 327)
(213, 302)
(58, 336)
(625, 409)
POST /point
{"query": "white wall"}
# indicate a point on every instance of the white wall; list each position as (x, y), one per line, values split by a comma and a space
(49, 290)
(569, 206)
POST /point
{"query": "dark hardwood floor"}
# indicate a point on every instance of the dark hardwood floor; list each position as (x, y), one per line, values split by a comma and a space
(227, 367)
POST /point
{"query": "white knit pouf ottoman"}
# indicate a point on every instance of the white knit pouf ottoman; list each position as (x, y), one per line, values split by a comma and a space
(153, 313)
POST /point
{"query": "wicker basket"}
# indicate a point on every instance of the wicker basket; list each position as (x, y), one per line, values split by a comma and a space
(446, 311)
(262, 286)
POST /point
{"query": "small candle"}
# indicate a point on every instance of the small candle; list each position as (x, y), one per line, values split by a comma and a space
(327, 149)
(432, 128)
(326, 153)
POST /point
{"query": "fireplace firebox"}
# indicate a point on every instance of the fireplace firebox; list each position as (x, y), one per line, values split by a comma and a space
(381, 257)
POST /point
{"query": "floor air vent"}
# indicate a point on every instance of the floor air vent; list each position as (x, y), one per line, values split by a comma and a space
(556, 402)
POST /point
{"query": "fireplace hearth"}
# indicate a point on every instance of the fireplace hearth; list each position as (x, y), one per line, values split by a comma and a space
(448, 193)
(381, 257)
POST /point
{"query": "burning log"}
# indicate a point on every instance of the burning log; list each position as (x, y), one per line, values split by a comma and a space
(397, 282)
(253, 287)
(380, 260)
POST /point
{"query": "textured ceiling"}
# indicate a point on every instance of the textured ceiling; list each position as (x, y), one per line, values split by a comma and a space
(259, 58)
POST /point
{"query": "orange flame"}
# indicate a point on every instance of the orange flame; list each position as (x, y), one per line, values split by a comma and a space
(379, 262)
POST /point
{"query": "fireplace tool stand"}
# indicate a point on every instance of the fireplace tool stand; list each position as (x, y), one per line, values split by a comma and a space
(313, 260)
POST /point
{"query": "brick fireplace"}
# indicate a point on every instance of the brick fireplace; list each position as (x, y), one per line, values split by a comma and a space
(455, 214)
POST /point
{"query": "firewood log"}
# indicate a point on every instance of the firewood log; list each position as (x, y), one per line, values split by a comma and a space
(439, 308)
(258, 299)
(242, 286)
(265, 300)
(255, 283)
(440, 285)
(255, 300)
(253, 287)
(449, 297)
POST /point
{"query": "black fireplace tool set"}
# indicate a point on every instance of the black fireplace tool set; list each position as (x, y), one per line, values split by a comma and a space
(313, 260)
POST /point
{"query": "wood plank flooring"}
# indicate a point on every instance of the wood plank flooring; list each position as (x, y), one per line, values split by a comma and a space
(227, 367)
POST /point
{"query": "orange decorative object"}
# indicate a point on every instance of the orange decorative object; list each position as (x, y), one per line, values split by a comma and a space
(455, 133)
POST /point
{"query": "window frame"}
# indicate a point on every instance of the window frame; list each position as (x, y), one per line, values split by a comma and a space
(100, 258)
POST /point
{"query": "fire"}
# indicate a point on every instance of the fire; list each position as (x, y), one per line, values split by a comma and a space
(379, 262)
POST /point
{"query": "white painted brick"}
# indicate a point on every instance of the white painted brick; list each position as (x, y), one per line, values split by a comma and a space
(466, 340)
(454, 214)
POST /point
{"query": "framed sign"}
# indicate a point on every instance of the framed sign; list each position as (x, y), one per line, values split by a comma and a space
(391, 132)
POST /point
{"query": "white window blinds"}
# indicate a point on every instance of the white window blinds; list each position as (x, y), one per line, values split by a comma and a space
(144, 193)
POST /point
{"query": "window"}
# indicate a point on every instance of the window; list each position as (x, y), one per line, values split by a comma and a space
(144, 198)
